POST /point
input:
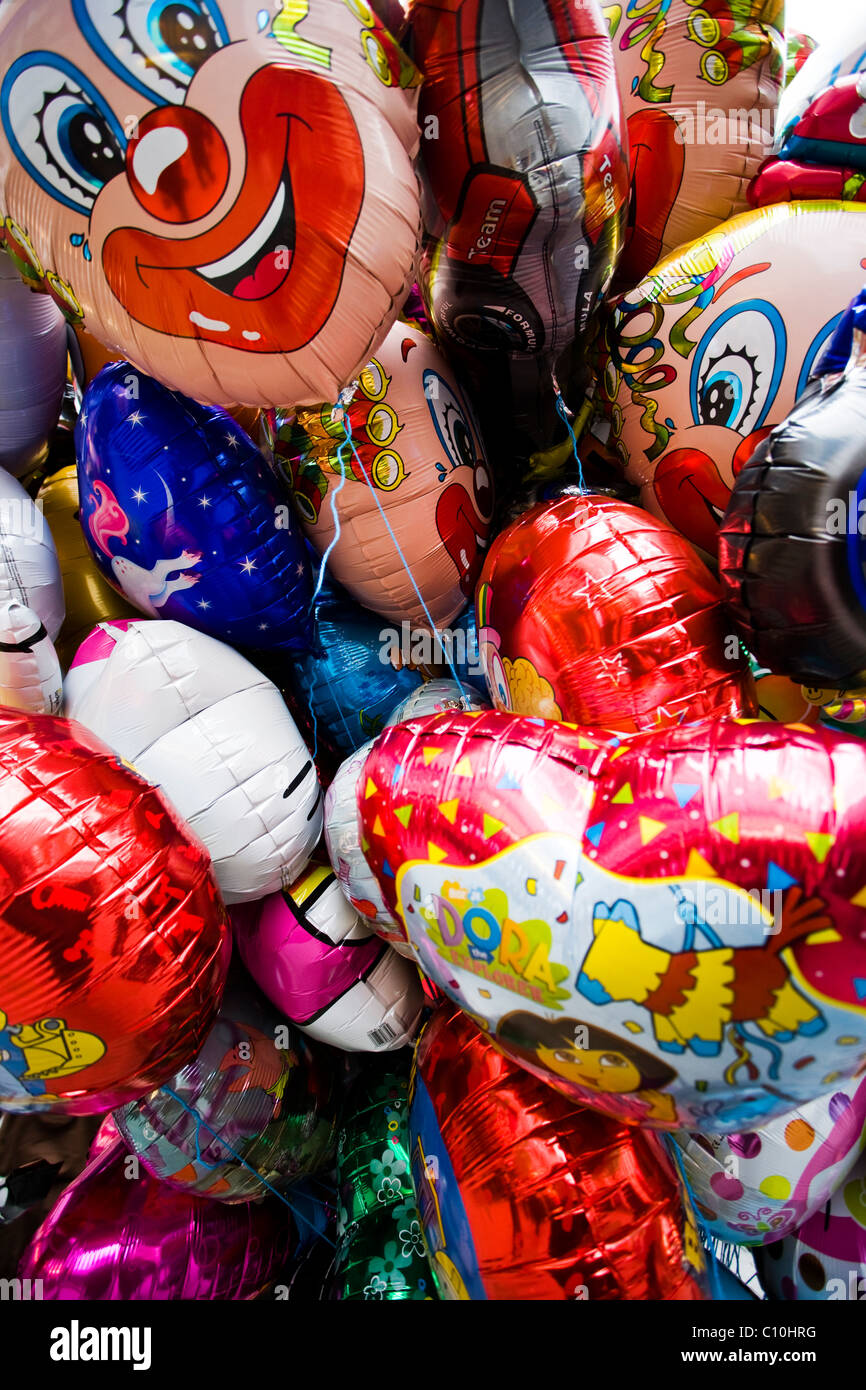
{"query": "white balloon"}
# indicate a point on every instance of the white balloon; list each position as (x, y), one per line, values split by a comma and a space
(29, 567)
(196, 718)
(33, 349)
(30, 677)
(435, 696)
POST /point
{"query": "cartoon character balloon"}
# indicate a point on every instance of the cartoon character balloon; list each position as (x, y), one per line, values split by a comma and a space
(318, 962)
(412, 494)
(716, 345)
(591, 612)
(182, 516)
(757, 1187)
(89, 598)
(525, 182)
(669, 928)
(223, 192)
(525, 1195)
(820, 145)
(826, 1257)
(700, 83)
(792, 553)
(111, 1238)
(114, 938)
(204, 724)
(252, 1113)
(32, 372)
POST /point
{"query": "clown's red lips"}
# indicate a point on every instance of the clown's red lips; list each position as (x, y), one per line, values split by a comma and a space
(267, 277)
(463, 533)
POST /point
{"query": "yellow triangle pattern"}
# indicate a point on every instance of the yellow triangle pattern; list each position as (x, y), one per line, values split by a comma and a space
(378, 827)
(728, 827)
(819, 844)
(492, 826)
(404, 815)
(649, 828)
(435, 854)
(429, 754)
(449, 809)
(624, 796)
(370, 789)
(698, 867)
(463, 768)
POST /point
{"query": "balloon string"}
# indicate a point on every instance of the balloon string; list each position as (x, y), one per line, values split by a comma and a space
(563, 413)
(404, 561)
(201, 1122)
(715, 1282)
(320, 579)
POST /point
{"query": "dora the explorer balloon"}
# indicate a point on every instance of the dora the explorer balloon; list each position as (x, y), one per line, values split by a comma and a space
(412, 492)
(700, 83)
(714, 348)
(220, 190)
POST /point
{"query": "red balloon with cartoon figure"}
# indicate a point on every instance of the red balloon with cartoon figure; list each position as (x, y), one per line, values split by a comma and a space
(524, 1195)
(592, 612)
(413, 494)
(669, 928)
(714, 348)
(700, 83)
(222, 192)
(115, 941)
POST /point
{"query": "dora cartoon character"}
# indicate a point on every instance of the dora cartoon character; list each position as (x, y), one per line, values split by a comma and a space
(223, 191)
(590, 1060)
(715, 347)
(34, 1055)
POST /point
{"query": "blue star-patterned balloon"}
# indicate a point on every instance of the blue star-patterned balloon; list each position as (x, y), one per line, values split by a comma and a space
(348, 683)
(182, 515)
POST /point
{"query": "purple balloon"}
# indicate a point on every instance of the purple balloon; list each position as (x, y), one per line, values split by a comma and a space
(110, 1236)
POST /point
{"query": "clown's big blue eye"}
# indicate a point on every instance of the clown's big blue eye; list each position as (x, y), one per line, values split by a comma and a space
(450, 421)
(737, 367)
(61, 129)
(156, 46)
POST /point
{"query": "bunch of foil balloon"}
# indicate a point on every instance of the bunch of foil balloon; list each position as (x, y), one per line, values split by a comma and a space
(417, 887)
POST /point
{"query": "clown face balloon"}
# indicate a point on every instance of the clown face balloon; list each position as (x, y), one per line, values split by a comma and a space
(182, 514)
(114, 939)
(715, 347)
(414, 480)
(222, 191)
(670, 928)
(592, 612)
(198, 720)
(700, 82)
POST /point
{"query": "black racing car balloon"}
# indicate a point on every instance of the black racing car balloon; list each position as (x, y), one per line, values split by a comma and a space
(525, 179)
(792, 547)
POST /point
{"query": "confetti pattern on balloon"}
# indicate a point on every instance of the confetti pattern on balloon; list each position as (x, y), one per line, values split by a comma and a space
(113, 1237)
(380, 1249)
(183, 517)
(668, 928)
(755, 1188)
(223, 192)
(254, 1112)
(114, 938)
(524, 1195)
(592, 612)
(826, 1257)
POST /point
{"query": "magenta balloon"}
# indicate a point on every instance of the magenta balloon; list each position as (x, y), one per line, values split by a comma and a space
(116, 1237)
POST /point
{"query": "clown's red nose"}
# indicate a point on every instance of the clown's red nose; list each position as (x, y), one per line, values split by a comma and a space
(177, 164)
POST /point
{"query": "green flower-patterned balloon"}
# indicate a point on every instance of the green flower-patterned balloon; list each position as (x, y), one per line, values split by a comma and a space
(380, 1250)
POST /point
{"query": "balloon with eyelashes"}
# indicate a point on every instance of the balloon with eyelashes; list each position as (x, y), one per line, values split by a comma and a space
(669, 927)
(419, 457)
(109, 1238)
(319, 963)
(791, 548)
(114, 938)
(196, 718)
(712, 350)
(524, 1195)
(183, 516)
(221, 191)
(700, 85)
(592, 612)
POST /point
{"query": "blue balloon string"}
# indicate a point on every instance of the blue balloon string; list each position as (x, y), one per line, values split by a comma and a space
(200, 1122)
(563, 415)
(334, 512)
(403, 560)
(715, 1282)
